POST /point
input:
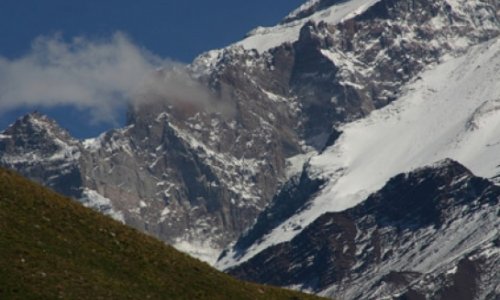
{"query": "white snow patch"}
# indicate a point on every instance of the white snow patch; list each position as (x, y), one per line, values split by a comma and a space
(93, 144)
(295, 164)
(96, 201)
(206, 62)
(201, 251)
(302, 8)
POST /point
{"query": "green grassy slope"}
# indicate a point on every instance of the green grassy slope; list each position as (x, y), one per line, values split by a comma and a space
(52, 247)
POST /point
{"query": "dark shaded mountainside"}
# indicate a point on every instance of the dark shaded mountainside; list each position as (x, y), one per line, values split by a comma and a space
(429, 234)
(54, 248)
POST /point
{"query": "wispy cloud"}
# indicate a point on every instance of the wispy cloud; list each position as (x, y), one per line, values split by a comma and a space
(96, 75)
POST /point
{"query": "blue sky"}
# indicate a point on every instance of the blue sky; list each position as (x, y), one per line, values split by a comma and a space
(173, 29)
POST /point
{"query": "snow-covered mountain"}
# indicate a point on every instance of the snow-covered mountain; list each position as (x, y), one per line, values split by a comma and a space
(446, 107)
(449, 111)
(315, 114)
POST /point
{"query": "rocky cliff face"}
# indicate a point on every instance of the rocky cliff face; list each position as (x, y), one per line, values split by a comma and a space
(197, 178)
(429, 234)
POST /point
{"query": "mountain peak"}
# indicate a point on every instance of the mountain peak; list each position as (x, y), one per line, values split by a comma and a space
(35, 137)
(331, 12)
(39, 124)
(37, 146)
(36, 117)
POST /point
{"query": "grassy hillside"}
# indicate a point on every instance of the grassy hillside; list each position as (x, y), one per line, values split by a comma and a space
(52, 247)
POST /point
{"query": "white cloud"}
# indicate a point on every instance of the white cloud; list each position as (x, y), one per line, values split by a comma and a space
(100, 76)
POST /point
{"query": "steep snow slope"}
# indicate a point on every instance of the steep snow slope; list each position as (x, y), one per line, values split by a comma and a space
(451, 110)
